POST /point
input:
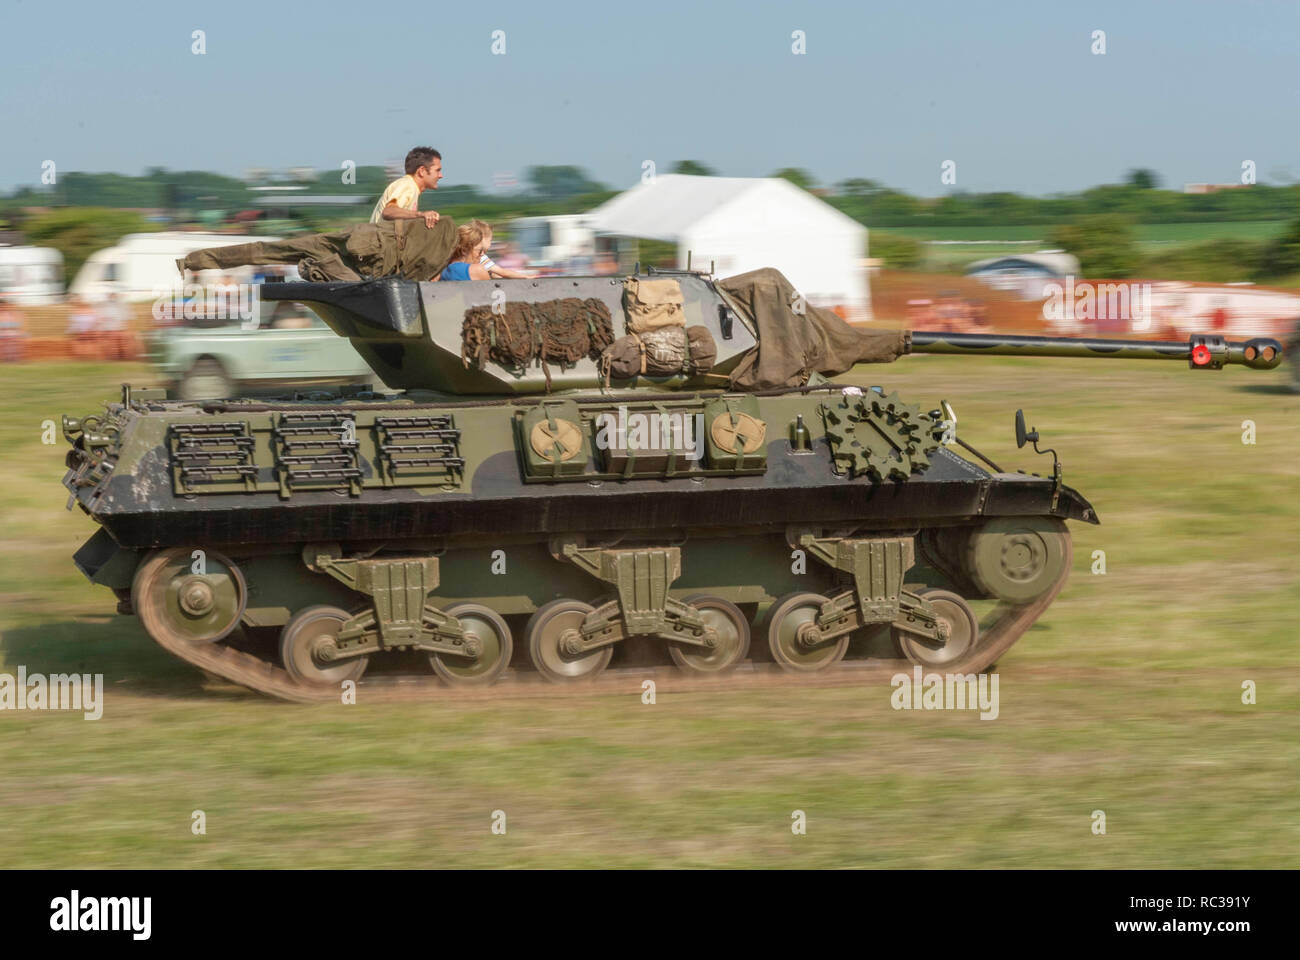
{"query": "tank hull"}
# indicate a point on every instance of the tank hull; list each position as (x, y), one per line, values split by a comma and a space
(379, 525)
(141, 507)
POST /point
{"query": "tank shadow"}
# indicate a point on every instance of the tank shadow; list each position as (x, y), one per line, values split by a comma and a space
(114, 646)
(1272, 389)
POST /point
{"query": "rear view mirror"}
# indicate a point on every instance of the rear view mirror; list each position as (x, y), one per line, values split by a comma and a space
(1024, 436)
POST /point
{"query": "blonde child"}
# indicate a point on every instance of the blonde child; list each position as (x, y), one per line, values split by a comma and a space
(465, 263)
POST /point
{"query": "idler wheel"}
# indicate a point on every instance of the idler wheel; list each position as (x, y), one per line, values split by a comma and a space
(307, 642)
(1018, 559)
(550, 634)
(963, 632)
(175, 603)
(794, 638)
(731, 647)
(488, 640)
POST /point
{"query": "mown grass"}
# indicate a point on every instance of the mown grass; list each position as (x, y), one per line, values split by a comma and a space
(1126, 697)
(979, 243)
(1145, 232)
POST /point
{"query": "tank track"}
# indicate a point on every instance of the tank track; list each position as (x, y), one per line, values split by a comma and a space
(1006, 625)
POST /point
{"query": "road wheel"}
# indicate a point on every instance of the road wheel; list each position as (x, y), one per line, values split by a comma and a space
(794, 639)
(492, 637)
(733, 638)
(301, 642)
(963, 632)
(549, 632)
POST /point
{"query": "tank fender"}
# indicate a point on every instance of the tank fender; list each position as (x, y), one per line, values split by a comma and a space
(102, 561)
(1075, 506)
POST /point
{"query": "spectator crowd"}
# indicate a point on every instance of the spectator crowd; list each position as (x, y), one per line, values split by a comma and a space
(94, 331)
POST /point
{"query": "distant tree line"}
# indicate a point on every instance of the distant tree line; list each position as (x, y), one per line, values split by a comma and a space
(568, 189)
(1107, 246)
(877, 206)
(93, 210)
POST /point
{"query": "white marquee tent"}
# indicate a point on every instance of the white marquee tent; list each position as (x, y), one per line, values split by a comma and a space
(745, 223)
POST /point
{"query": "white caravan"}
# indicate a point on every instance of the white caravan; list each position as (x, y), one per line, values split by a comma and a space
(31, 275)
(143, 265)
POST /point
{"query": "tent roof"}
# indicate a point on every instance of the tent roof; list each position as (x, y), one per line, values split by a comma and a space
(668, 206)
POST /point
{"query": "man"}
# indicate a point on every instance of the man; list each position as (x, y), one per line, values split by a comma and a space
(401, 199)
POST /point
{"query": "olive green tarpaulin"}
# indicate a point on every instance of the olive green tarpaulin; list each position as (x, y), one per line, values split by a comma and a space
(405, 248)
(794, 346)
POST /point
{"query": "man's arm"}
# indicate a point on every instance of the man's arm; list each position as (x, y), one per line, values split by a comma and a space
(395, 212)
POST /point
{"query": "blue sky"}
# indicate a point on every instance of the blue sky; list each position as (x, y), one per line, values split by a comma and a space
(1010, 91)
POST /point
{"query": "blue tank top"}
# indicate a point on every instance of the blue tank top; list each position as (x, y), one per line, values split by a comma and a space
(455, 271)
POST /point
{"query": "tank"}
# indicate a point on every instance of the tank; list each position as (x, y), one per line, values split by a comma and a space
(575, 475)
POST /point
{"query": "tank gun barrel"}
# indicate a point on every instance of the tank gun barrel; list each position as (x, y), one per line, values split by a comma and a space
(1201, 351)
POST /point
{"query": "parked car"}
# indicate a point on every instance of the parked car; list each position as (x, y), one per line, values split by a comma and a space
(290, 347)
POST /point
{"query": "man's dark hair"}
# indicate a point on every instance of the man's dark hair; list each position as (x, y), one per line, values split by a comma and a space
(421, 157)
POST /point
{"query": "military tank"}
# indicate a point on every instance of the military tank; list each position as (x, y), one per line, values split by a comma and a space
(564, 471)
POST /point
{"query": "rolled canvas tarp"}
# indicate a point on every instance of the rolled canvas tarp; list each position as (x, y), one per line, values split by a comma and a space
(792, 346)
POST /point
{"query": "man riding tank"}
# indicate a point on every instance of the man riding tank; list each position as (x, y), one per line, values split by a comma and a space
(401, 198)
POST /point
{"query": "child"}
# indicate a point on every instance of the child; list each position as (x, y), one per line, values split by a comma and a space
(465, 263)
(401, 199)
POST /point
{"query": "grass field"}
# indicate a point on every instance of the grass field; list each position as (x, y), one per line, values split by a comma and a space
(1146, 232)
(1125, 698)
(968, 244)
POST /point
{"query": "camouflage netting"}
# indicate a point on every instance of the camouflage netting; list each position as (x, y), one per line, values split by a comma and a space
(792, 346)
(405, 248)
(557, 331)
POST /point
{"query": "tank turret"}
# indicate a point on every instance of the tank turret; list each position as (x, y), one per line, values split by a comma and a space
(549, 334)
(423, 335)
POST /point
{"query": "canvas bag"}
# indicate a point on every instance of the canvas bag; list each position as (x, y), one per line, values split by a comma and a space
(660, 353)
(652, 303)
